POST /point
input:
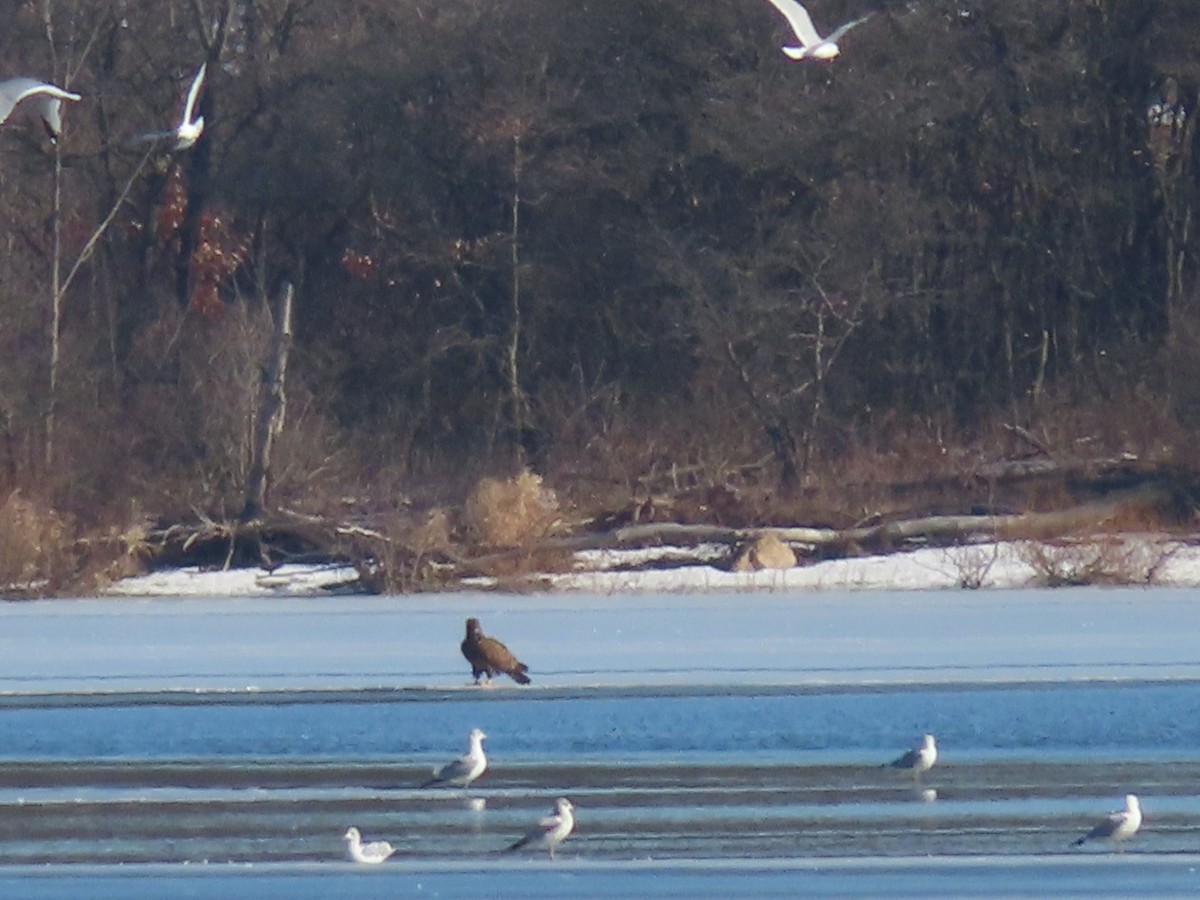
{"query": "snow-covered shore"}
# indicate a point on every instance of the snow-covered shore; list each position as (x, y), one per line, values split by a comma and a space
(1144, 559)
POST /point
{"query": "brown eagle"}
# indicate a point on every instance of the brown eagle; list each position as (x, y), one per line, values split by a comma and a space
(488, 656)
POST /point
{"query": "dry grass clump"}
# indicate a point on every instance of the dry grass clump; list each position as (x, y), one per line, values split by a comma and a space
(513, 512)
(973, 563)
(400, 555)
(108, 555)
(1099, 559)
(33, 545)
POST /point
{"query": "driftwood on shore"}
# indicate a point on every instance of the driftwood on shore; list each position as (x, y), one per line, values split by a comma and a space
(833, 542)
(388, 558)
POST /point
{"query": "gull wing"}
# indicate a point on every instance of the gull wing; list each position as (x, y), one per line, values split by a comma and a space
(152, 136)
(456, 769)
(543, 830)
(379, 849)
(798, 17)
(1107, 828)
(14, 90)
(194, 92)
(844, 28)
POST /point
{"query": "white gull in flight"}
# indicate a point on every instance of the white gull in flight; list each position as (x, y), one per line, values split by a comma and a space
(372, 854)
(918, 760)
(190, 126)
(462, 771)
(48, 98)
(812, 45)
(550, 831)
(1119, 826)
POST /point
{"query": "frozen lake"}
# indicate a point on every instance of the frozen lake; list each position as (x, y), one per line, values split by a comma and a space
(579, 640)
(713, 745)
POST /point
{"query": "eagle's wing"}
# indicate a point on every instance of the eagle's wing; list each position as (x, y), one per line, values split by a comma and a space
(470, 650)
(501, 659)
(497, 655)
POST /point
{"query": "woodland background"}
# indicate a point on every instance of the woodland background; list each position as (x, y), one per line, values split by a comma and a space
(624, 244)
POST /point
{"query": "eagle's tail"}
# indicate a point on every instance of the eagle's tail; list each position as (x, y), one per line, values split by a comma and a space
(518, 673)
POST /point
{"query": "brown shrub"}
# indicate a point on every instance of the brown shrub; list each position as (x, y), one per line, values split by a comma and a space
(514, 512)
(33, 541)
(432, 534)
(107, 555)
(399, 555)
(973, 563)
(1100, 559)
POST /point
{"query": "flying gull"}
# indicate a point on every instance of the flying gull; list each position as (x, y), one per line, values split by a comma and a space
(372, 853)
(919, 759)
(1119, 826)
(189, 129)
(47, 97)
(462, 771)
(813, 46)
(488, 656)
(550, 831)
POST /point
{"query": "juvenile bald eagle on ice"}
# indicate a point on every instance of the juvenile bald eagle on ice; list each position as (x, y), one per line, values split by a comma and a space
(488, 656)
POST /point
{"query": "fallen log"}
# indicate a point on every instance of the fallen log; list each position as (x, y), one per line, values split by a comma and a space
(833, 542)
(390, 561)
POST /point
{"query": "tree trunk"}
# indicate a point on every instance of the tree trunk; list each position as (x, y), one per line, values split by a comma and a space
(517, 401)
(270, 413)
(55, 264)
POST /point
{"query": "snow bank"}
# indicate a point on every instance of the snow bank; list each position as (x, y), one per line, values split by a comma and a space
(293, 580)
(698, 569)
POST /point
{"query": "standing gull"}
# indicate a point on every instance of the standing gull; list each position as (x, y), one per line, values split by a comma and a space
(189, 129)
(813, 46)
(918, 760)
(47, 97)
(488, 656)
(462, 771)
(372, 854)
(550, 831)
(1119, 826)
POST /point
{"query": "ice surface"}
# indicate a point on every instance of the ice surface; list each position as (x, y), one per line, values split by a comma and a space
(529, 879)
(574, 640)
(696, 729)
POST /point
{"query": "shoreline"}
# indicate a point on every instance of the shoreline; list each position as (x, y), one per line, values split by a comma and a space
(1150, 560)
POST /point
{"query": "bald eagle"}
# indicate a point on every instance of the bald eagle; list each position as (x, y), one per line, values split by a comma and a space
(488, 656)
